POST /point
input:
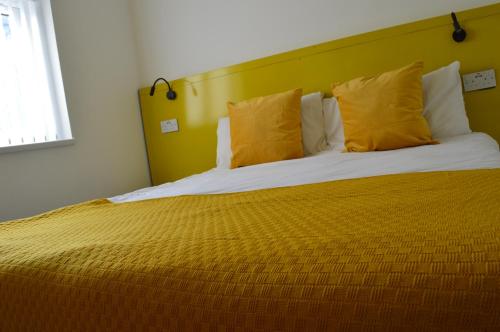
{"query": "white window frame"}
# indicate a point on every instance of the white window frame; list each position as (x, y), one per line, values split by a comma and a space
(53, 68)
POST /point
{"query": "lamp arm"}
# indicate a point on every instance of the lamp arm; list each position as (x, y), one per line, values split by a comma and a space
(171, 94)
(459, 34)
(164, 80)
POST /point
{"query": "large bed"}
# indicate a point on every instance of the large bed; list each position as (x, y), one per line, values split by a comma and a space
(397, 240)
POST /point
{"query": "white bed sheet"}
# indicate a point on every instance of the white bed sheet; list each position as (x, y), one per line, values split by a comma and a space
(471, 151)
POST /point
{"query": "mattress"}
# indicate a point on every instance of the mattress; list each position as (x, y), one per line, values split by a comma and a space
(417, 251)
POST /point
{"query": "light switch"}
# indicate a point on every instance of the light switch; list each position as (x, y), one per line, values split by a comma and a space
(480, 80)
(168, 126)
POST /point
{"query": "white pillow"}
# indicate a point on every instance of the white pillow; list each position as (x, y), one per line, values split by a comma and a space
(444, 106)
(334, 129)
(313, 132)
(224, 152)
(313, 124)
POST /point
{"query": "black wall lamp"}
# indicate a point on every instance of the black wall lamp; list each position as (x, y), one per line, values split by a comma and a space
(459, 34)
(171, 94)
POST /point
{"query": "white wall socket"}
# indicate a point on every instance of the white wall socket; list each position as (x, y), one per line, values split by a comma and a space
(480, 80)
(169, 126)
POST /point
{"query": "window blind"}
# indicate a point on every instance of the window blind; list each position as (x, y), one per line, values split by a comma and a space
(29, 106)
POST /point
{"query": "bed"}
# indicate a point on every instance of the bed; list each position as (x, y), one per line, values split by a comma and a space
(396, 240)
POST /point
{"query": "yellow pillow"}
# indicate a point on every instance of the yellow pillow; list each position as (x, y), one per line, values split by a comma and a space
(266, 129)
(384, 112)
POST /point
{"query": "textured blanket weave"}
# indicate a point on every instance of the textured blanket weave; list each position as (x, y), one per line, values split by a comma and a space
(402, 252)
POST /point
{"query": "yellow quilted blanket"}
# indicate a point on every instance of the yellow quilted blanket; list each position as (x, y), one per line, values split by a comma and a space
(403, 252)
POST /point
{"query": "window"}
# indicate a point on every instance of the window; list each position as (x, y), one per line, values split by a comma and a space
(32, 102)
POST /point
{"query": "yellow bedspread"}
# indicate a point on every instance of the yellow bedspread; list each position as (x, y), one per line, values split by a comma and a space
(402, 252)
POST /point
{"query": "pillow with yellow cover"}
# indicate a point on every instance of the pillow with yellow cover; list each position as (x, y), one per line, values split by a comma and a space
(384, 112)
(266, 129)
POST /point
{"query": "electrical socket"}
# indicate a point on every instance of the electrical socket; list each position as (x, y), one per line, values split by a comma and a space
(480, 80)
(169, 126)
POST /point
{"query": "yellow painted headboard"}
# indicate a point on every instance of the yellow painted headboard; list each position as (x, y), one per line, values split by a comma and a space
(202, 98)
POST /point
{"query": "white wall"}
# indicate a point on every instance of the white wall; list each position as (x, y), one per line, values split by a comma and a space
(180, 38)
(99, 67)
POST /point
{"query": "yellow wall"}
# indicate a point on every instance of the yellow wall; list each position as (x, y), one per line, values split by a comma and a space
(202, 98)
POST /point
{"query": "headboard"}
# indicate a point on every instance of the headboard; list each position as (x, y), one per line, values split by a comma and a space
(202, 98)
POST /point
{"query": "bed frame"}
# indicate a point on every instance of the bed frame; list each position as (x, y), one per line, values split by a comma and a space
(202, 98)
